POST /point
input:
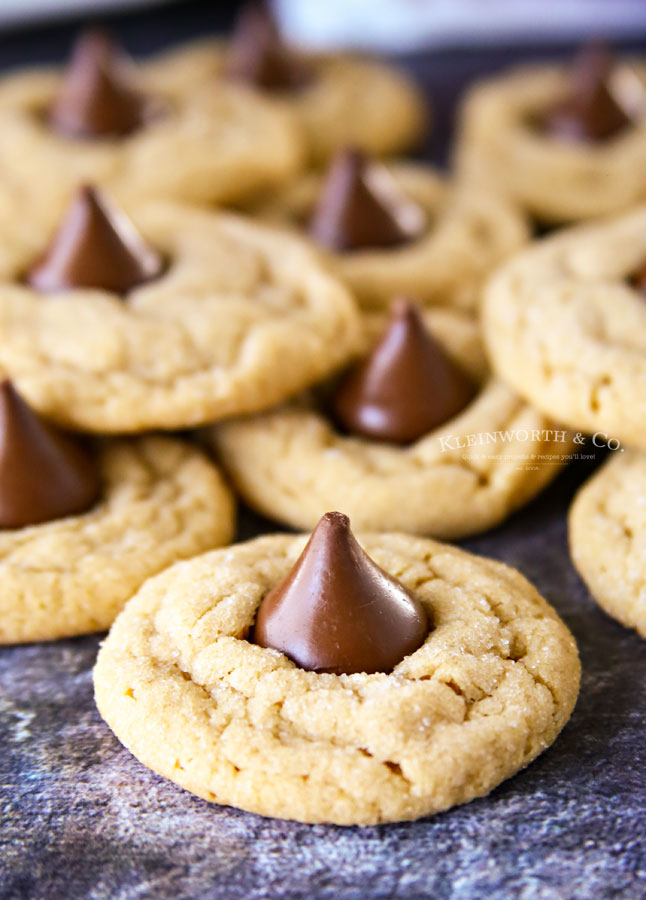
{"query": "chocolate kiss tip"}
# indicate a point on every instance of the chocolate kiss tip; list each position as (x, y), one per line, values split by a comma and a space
(637, 279)
(595, 57)
(337, 611)
(95, 247)
(45, 473)
(361, 207)
(405, 388)
(96, 98)
(403, 307)
(258, 54)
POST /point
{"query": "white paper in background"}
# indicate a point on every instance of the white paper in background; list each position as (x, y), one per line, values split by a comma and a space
(400, 25)
(17, 12)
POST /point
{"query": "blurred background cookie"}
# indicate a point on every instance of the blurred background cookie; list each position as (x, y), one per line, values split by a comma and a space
(607, 531)
(400, 227)
(337, 98)
(101, 119)
(169, 320)
(566, 142)
(565, 325)
(417, 437)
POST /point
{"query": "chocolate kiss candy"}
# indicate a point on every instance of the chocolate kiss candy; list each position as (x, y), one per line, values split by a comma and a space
(638, 279)
(95, 247)
(44, 473)
(259, 56)
(337, 611)
(95, 98)
(360, 206)
(405, 388)
(593, 111)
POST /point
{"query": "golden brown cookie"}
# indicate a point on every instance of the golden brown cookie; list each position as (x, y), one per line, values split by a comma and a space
(502, 145)
(489, 689)
(467, 232)
(607, 525)
(201, 145)
(348, 99)
(161, 500)
(241, 318)
(464, 476)
(565, 326)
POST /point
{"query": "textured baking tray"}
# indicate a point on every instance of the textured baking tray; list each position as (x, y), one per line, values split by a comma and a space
(81, 818)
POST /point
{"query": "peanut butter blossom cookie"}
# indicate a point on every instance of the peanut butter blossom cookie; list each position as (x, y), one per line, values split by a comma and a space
(608, 537)
(336, 99)
(417, 437)
(565, 325)
(336, 680)
(177, 319)
(400, 228)
(102, 120)
(567, 145)
(82, 527)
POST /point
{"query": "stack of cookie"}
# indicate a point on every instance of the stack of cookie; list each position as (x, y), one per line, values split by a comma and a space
(564, 320)
(358, 337)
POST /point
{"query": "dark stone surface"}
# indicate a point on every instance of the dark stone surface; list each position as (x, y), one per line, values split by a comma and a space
(80, 818)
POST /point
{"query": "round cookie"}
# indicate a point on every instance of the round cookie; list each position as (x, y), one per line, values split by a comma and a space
(241, 318)
(565, 327)
(469, 232)
(488, 690)
(555, 180)
(607, 530)
(292, 463)
(350, 99)
(202, 147)
(162, 500)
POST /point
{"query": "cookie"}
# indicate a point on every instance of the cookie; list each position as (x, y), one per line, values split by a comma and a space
(161, 500)
(607, 530)
(464, 232)
(183, 686)
(464, 475)
(564, 323)
(342, 98)
(197, 144)
(237, 318)
(515, 135)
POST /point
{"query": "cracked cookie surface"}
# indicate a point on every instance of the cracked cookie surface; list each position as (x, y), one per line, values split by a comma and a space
(162, 500)
(201, 148)
(238, 724)
(565, 328)
(351, 99)
(293, 464)
(469, 232)
(607, 530)
(242, 318)
(556, 181)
